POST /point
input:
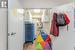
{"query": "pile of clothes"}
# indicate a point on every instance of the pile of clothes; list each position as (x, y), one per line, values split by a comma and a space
(43, 42)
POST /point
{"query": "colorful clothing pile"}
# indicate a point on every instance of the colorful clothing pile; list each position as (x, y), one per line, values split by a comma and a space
(43, 42)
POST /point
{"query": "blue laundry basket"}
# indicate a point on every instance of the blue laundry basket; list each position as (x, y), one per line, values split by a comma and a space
(29, 32)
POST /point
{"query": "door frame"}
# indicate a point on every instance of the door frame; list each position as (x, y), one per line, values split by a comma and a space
(7, 27)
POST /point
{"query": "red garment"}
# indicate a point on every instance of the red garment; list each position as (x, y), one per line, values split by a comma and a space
(43, 43)
(54, 28)
(66, 19)
(48, 39)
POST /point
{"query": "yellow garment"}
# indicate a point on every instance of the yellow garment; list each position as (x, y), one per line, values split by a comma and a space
(39, 38)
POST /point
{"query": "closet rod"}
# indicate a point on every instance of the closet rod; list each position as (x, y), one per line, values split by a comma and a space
(37, 8)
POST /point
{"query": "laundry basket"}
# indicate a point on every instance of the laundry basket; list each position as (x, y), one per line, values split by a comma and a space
(29, 32)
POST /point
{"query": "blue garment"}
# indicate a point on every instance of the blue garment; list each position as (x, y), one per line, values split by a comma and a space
(44, 35)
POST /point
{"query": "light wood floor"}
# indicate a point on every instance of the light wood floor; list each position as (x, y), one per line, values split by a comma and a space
(30, 46)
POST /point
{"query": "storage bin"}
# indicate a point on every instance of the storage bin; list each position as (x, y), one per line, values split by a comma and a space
(29, 32)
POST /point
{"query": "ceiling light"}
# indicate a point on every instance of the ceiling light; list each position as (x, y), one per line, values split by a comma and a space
(36, 10)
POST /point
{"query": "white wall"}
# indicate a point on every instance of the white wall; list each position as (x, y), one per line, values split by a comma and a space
(14, 4)
(3, 28)
(66, 39)
(43, 3)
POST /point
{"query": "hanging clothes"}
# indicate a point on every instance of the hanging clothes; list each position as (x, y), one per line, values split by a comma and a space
(66, 19)
(54, 28)
(58, 21)
(62, 19)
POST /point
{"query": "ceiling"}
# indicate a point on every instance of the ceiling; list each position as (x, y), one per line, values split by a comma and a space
(43, 3)
(36, 13)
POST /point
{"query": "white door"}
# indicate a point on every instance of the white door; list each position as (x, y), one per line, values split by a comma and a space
(15, 30)
(3, 28)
